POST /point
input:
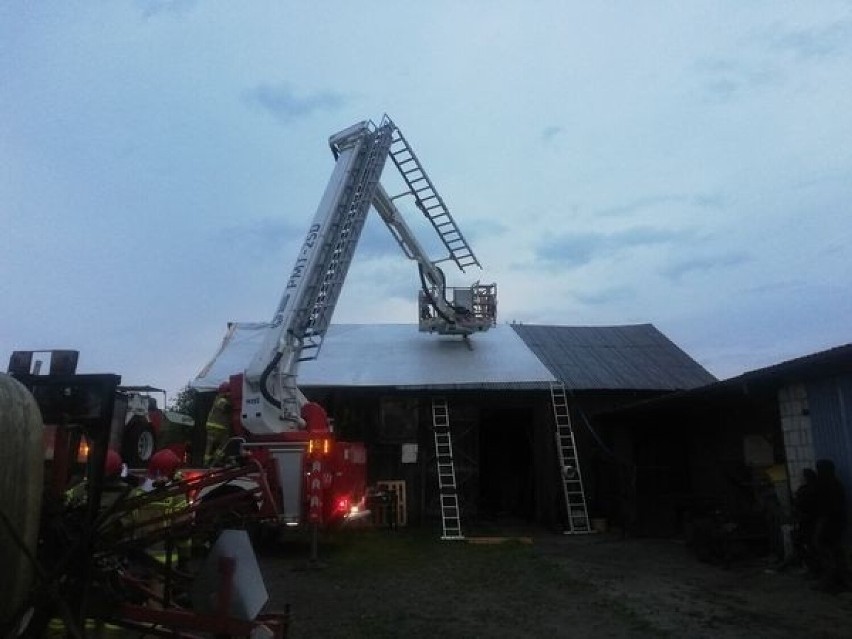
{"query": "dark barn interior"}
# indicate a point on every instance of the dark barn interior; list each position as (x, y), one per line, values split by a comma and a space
(506, 483)
(503, 451)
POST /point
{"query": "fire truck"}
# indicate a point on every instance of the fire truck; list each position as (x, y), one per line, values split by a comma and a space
(316, 478)
(96, 558)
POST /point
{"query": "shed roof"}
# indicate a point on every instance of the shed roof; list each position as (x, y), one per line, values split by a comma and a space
(393, 355)
(636, 357)
(833, 362)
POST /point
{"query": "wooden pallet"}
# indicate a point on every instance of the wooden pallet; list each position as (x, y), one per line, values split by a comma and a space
(397, 488)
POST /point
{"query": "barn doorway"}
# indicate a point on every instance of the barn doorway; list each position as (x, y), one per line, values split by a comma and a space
(505, 464)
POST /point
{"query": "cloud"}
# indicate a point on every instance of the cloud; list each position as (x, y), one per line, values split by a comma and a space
(571, 250)
(481, 229)
(722, 80)
(773, 287)
(758, 65)
(701, 201)
(151, 8)
(260, 237)
(606, 296)
(678, 270)
(548, 134)
(814, 43)
(285, 106)
(376, 241)
(576, 249)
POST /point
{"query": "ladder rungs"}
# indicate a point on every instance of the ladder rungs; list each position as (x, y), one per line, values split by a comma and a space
(572, 487)
(450, 511)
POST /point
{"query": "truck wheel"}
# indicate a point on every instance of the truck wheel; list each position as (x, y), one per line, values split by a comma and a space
(138, 443)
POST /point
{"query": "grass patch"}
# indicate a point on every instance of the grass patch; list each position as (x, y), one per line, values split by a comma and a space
(376, 583)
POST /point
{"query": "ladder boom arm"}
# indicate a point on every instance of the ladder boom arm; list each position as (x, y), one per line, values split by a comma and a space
(432, 276)
(271, 399)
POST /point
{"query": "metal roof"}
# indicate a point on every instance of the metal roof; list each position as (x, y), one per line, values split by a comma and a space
(833, 362)
(395, 356)
(634, 357)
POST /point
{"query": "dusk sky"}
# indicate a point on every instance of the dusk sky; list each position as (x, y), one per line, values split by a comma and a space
(685, 164)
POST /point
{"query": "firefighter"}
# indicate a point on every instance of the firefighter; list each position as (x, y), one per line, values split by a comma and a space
(163, 468)
(218, 425)
(113, 486)
(830, 524)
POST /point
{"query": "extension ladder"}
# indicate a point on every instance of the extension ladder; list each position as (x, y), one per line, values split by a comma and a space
(569, 464)
(430, 203)
(447, 493)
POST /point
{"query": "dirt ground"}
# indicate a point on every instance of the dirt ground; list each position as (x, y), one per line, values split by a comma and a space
(532, 583)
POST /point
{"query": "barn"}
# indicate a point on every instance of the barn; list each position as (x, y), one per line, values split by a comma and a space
(380, 382)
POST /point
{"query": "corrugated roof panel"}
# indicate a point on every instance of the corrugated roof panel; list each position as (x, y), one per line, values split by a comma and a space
(831, 423)
(635, 357)
(394, 355)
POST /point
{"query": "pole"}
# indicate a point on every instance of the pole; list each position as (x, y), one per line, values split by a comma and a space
(314, 536)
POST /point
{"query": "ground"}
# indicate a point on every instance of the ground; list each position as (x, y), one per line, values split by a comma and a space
(533, 583)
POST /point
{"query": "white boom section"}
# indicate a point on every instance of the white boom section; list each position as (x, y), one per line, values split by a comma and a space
(450, 318)
(473, 308)
(271, 400)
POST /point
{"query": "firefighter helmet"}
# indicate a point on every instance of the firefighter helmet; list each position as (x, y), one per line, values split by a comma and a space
(112, 466)
(163, 464)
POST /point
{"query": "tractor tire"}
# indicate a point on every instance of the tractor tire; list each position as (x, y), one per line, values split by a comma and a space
(138, 443)
(21, 481)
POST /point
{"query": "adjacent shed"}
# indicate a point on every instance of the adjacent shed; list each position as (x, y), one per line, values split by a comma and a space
(736, 449)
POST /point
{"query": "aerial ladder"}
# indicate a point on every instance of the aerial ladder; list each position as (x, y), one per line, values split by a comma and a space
(304, 313)
(272, 406)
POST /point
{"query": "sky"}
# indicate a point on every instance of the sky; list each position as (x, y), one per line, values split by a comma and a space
(685, 164)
